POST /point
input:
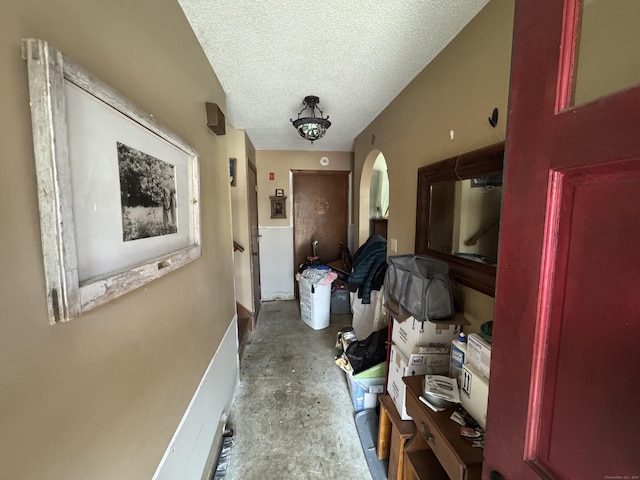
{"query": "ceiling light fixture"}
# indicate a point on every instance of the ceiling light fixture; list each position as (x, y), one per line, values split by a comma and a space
(311, 127)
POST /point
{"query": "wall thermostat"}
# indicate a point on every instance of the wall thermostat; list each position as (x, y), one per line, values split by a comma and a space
(324, 161)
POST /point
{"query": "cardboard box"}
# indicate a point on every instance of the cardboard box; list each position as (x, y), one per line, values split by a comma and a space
(364, 391)
(479, 353)
(434, 363)
(474, 393)
(423, 337)
(401, 365)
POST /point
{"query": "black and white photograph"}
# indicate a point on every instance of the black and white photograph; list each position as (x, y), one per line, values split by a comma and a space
(148, 195)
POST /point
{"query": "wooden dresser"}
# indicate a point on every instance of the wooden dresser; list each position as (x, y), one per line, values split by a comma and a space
(437, 450)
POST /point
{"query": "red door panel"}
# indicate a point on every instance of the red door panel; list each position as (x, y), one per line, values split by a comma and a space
(563, 391)
(584, 342)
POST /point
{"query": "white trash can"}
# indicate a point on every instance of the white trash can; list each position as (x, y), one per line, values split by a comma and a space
(315, 303)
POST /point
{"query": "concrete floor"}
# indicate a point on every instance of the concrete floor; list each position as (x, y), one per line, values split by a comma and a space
(292, 416)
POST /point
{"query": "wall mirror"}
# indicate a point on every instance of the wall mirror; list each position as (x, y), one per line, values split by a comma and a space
(458, 215)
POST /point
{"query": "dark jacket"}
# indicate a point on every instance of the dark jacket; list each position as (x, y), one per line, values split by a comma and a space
(369, 265)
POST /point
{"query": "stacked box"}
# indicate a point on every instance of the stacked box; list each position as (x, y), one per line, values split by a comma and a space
(401, 365)
(423, 337)
(479, 354)
(474, 393)
(434, 363)
(418, 348)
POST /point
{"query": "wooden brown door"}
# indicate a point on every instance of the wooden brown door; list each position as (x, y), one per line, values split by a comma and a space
(320, 211)
(564, 395)
(255, 237)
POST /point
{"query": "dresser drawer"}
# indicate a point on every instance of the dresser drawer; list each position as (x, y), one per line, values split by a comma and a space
(437, 440)
(455, 453)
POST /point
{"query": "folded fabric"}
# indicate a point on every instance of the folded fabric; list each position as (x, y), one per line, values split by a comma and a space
(318, 276)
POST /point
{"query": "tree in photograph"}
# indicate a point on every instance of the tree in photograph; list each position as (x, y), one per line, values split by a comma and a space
(147, 190)
(143, 178)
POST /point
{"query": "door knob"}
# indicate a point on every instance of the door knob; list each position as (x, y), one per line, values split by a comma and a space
(495, 475)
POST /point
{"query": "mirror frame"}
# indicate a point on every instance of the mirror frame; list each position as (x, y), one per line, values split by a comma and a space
(484, 161)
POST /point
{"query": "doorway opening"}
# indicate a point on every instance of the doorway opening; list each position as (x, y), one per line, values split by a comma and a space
(374, 197)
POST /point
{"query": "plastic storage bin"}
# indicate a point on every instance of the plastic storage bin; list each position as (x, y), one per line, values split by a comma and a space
(315, 303)
(340, 301)
(364, 391)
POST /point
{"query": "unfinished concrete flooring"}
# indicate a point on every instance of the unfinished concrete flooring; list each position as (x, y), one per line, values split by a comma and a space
(292, 415)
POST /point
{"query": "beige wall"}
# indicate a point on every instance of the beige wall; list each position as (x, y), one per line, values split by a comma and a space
(241, 148)
(281, 162)
(456, 92)
(608, 49)
(101, 396)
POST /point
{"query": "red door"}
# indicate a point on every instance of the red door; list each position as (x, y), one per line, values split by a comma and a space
(564, 391)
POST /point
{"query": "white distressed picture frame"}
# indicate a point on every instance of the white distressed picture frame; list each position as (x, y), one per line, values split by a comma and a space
(68, 293)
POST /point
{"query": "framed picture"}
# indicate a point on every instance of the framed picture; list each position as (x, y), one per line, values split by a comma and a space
(278, 206)
(117, 191)
(279, 192)
(232, 171)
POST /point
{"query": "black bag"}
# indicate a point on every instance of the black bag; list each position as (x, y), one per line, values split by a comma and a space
(369, 352)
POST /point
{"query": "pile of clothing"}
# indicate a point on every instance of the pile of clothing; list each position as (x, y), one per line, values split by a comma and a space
(320, 275)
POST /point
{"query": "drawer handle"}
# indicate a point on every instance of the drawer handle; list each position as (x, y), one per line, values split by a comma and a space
(427, 433)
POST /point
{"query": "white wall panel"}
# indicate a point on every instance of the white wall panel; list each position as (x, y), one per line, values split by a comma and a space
(276, 263)
(188, 451)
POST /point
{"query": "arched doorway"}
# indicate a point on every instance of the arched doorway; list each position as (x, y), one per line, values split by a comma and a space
(374, 196)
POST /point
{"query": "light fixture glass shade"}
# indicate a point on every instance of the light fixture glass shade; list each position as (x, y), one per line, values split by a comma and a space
(311, 127)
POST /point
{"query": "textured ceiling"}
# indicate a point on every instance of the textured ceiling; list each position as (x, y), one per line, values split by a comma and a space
(355, 55)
